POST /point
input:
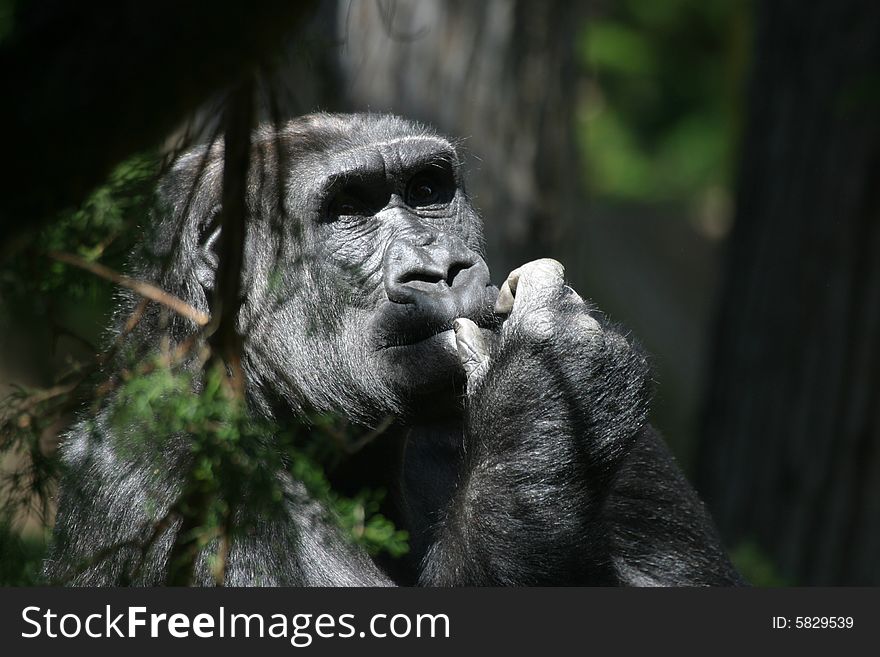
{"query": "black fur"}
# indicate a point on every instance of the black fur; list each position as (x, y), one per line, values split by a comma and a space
(541, 469)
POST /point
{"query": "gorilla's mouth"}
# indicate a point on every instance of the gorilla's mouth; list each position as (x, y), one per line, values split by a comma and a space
(415, 336)
(395, 335)
(410, 325)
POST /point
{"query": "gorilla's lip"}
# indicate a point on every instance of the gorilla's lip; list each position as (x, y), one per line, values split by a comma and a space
(407, 325)
(416, 337)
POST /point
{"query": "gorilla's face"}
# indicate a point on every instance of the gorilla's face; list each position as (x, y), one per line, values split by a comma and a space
(398, 230)
(381, 252)
(361, 250)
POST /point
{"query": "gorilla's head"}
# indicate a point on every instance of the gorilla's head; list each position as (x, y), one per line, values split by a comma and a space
(362, 248)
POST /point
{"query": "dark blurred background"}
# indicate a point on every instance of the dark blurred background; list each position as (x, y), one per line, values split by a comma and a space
(707, 170)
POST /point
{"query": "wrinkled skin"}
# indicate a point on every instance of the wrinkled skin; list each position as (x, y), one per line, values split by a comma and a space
(521, 453)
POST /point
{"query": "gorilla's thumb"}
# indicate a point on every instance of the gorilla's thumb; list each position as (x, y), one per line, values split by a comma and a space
(472, 350)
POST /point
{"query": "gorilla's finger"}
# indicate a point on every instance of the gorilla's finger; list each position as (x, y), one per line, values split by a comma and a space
(472, 348)
(573, 296)
(542, 274)
(504, 303)
(526, 284)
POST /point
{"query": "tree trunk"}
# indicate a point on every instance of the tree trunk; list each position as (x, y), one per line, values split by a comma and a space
(502, 75)
(790, 454)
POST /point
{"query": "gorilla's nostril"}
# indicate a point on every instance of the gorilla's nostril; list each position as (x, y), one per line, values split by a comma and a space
(434, 276)
(443, 273)
(454, 270)
(422, 276)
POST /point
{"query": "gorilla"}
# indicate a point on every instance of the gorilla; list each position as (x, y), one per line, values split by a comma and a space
(519, 452)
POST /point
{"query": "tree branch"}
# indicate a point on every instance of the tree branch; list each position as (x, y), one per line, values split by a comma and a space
(225, 340)
(142, 288)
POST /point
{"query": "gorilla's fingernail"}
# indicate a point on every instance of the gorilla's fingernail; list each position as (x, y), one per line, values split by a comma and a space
(513, 280)
(504, 303)
(456, 325)
(471, 346)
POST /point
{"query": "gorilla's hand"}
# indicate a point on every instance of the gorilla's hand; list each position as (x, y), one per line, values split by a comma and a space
(537, 302)
(556, 362)
(554, 402)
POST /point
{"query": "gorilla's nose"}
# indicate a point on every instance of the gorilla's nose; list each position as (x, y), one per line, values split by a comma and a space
(432, 272)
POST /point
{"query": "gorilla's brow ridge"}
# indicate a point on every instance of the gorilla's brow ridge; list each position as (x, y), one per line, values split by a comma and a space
(346, 170)
(388, 142)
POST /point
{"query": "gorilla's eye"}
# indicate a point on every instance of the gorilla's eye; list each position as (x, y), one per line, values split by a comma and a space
(431, 187)
(349, 203)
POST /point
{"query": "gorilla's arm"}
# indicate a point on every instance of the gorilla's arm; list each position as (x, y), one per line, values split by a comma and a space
(561, 481)
(660, 531)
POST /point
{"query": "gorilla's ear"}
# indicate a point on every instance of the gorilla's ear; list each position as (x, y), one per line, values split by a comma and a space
(206, 257)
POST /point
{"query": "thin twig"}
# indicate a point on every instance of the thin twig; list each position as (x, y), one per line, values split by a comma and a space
(222, 558)
(226, 302)
(142, 288)
(369, 437)
(223, 336)
(45, 395)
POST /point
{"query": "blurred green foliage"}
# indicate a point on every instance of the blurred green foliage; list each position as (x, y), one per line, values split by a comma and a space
(37, 290)
(236, 457)
(21, 558)
(101, 228)
(27, 480)
(7, 18)
(662, 112)
(231, 462)
(755, 566)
